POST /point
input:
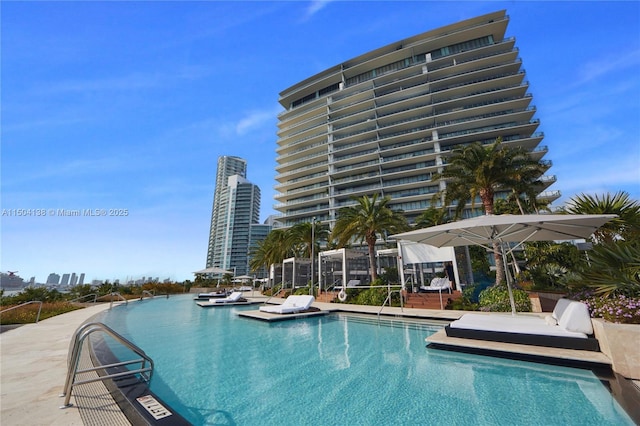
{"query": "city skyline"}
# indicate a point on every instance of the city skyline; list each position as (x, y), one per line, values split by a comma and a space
(120, 125)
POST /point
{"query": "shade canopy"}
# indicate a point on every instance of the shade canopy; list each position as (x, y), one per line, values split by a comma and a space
(243, 277)
(499, 229)
(213, 270)
(484, 230)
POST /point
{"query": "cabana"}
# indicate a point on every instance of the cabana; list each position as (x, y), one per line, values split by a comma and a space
(342, 266)
(296, 272)
(388, 258)
(275, 275)
(415, 257)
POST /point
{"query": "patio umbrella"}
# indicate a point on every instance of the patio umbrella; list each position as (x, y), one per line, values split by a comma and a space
(243, 277)
(488, 229)
(213, 270)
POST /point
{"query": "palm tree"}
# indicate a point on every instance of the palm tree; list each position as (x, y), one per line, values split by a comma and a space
(303, 236)
(272, 250)
(478, 171)
(431, 217)
(625, 226)
(368, 219)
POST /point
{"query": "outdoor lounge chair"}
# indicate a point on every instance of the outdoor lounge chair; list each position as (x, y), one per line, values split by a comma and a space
(437, 284)
(568, 327)
(211, 294)
(233, 298)
(293, 304)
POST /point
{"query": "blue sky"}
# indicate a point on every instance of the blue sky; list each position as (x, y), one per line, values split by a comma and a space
(128, 105)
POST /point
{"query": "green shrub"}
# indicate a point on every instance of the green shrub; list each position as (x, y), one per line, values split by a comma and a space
(496, 299)
(376, 297)
(27, 314)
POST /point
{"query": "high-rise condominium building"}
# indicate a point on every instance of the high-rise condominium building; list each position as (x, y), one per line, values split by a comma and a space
(384, 121)
(236, 206)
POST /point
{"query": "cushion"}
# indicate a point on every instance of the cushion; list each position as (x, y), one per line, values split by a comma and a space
(550, 320)
(558, 310)
(576, 318)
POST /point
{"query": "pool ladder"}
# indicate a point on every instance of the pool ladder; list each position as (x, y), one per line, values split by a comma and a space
(145, 370)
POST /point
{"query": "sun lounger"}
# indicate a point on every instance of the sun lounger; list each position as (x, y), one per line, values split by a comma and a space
(569, 327)
(437, 284)
(211, 294)
(293, 304)
(232, 299)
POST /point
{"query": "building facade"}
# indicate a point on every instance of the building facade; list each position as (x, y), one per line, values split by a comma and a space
(384, 121)
(236, 207)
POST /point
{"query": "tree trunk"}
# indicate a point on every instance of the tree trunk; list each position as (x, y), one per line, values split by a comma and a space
(497, 255)
(487, 202)
(371, 242)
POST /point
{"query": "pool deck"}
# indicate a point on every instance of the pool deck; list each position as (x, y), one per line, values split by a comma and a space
(34, 364)
(33, 371)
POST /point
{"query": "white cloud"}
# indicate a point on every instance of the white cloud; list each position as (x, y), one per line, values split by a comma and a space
(256, 119)
(602, 66)
(314, 7)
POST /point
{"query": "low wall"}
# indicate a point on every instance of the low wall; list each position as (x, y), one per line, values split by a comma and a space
(620, 342)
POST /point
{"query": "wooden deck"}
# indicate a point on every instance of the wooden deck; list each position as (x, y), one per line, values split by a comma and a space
(430, 300)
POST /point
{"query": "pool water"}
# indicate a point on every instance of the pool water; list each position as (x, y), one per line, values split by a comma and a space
(215, 367)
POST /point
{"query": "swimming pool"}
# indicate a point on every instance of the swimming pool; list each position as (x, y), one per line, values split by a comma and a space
(215, 367)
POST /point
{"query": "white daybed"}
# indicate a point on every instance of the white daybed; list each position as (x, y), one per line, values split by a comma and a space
(234, 298)
(438, 284)
(293, 304)
(569, 327)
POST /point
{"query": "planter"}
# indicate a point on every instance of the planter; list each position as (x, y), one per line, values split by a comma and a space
(621, 343)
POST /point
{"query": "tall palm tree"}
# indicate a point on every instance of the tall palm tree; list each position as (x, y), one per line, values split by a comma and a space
(480, 171)
(625, 226)
(272, 250)
(365, 221)
(303, 236)
(431, 217)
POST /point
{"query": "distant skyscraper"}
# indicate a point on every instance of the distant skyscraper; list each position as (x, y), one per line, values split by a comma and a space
(236, 206)
(74, 279)
(81, 280)
(53, 278)
(258, 233)
(65, 279)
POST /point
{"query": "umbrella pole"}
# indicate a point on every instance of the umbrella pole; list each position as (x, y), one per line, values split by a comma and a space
(507, 277)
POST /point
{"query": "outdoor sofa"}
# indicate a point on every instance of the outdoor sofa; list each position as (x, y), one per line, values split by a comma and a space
(568, 327)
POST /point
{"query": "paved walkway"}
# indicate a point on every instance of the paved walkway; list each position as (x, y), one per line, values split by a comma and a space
(33, 365)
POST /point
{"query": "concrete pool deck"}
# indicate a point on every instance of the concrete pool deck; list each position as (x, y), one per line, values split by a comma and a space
(33, 366)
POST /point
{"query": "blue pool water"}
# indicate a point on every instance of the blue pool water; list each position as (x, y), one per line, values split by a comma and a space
(215, 367)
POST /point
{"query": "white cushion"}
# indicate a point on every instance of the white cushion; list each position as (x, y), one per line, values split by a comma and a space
(558, 310)
(576, 318)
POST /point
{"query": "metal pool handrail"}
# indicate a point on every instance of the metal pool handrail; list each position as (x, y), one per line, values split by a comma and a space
(148, 293)
(399, 291)
(95, 298)
(126, 302)
(26, 303)
(146, 363)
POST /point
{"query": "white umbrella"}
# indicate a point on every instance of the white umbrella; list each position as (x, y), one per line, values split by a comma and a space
(487, 229)
(243, 277)
(213, 270)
